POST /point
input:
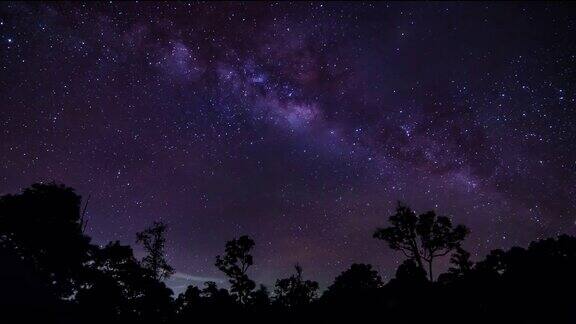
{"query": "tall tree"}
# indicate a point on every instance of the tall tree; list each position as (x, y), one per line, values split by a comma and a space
(235, 264)
(153, 240)
(42, 226)
(294, 291)
(422, 238)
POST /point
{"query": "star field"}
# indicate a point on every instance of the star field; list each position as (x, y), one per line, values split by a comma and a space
(300, 124)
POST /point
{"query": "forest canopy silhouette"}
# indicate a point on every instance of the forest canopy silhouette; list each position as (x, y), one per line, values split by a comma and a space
(52, 272)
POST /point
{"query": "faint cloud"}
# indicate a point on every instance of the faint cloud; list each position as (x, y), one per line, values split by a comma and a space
(179, 281)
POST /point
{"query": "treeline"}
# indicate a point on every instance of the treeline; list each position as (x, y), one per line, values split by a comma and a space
(51, 273)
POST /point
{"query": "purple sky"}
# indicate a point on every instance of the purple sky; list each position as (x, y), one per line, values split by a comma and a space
(298, 124)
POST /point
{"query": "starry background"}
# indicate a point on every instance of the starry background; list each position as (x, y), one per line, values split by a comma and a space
(299, 124)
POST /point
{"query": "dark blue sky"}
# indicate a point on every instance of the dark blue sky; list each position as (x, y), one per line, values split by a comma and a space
(299, 124)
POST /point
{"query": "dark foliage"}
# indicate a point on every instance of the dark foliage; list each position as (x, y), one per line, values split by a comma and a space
(52, 274)
(43, 227)
(353, 283)
(294, 291)
(119, 289)
(422, 238)
(153, 239)
(235, 264)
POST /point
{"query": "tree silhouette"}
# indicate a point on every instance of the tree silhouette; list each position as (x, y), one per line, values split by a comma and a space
(523, 285)
(25, 296)
(108, 292)
(52, 274)
(153, 239)
(352, 295)
(210, 304)
(358, 279)
(188, 304)
(294, 291)
(260, 297)
(409, 271)
(461, 264)
(118, 288)
(42, 225)
(215, 295)
(188, 299)
(421, 238)
(235, 264)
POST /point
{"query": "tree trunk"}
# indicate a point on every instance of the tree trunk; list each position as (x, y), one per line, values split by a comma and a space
(416, 253)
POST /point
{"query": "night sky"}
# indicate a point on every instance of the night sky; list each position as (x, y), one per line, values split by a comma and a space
(299, 124)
